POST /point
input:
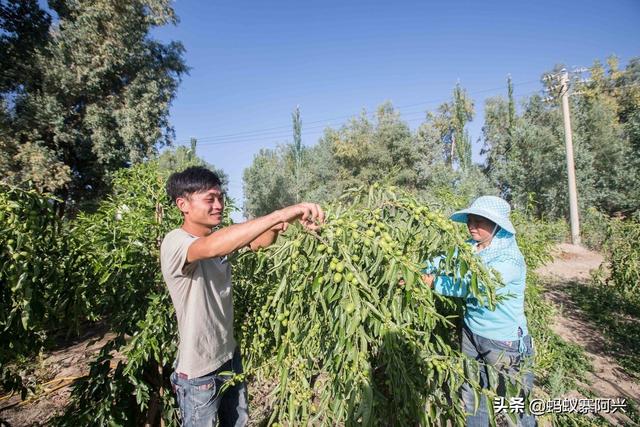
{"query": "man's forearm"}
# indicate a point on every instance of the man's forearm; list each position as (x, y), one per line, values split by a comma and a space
(232, 238)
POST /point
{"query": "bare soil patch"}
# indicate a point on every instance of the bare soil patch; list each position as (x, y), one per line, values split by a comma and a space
(572, 266)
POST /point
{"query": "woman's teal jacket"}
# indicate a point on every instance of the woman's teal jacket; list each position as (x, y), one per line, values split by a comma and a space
(507, 322)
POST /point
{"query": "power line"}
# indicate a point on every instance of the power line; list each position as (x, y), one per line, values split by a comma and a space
(324, 122)
(318, 129)
(257, 136)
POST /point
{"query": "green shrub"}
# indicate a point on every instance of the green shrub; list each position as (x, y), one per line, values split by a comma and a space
(623, 253)
(594, 228)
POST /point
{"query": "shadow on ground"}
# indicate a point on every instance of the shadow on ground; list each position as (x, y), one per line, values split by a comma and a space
(618, 321)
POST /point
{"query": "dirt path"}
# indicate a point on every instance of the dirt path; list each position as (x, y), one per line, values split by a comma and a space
(54, 374)
(572, 265)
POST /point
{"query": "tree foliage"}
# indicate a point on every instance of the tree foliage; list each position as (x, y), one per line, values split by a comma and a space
(58, 273)
(46, 278)
(526, 157)
(367, 349)
(367, 150)
(179, 158)
(86, 94)
(386, 350)
(83, 107)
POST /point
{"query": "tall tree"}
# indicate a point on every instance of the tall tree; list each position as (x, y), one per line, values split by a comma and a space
(98, 98)
(367, 150)
(364, 150)
(297, 149)
(512, 106)
(181, 157)
(463, 109)
(451, 119)
(525, 154)
(498, 131)
(268, 182)
(627, 91)
(599, 127)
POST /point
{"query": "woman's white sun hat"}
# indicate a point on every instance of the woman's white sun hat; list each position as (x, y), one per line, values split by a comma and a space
(491, 207)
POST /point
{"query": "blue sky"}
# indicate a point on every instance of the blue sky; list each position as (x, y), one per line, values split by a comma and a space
(253, 62)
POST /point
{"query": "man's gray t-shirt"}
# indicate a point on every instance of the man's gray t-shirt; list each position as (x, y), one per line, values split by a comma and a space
(202, 296)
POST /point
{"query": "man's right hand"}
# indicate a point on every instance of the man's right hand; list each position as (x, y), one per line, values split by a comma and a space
(310, 215)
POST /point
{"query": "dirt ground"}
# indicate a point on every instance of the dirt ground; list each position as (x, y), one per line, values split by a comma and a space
(55, 371)
(571, 265)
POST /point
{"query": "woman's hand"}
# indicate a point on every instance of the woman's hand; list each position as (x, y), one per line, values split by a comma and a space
(428, 279)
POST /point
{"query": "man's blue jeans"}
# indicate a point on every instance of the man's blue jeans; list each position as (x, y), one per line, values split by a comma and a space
(202, 403)
(505, 357)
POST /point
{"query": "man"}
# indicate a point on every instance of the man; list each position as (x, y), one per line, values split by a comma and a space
(195, 268)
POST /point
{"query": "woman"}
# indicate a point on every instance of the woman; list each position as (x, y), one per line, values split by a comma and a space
(500, 337)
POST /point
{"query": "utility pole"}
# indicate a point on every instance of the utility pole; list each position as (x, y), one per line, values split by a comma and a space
(571, 172)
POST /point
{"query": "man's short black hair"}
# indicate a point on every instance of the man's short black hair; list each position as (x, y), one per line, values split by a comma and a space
(194, 179)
